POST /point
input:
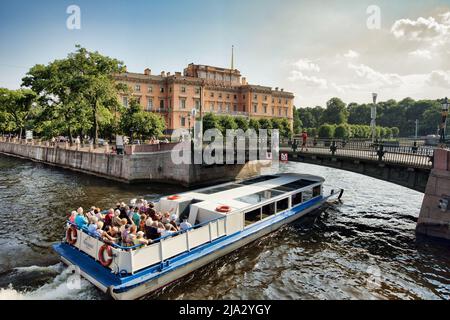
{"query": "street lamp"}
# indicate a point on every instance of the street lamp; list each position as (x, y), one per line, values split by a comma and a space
(373, 115)
(443, 125)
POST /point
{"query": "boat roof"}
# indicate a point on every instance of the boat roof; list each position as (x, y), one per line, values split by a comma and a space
(245, 193)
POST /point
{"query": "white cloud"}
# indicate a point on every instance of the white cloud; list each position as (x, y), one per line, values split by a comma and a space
(422, 29)
(351, 54)
(438, 78)
(306, 65)
(310, 81)
(378, 78)
(421, 53)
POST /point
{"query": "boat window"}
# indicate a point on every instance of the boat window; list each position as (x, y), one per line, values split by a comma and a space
(296, 199)
(252, 216)
(220, 189)
(268, 210)
(261, 196)
(299, 184)
(307, 195)
(283, 204)
(316, 191)
(257, 180)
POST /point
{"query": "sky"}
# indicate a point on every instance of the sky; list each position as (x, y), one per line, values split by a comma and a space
(315, 49)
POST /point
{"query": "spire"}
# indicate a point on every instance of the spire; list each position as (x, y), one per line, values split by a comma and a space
(232, 57)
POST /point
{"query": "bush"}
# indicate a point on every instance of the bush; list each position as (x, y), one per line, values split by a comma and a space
(326, 131)
(342, 131)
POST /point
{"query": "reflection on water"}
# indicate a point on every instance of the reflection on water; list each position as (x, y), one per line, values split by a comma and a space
(365, 248)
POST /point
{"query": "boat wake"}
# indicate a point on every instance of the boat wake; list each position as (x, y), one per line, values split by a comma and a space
(62, 284)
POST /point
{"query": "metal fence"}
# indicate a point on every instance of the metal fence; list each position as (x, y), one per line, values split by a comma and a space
(419, 156)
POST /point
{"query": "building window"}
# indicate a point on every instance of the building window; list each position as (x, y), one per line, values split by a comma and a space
(227, 106)
(183, 121)
(265, 109)
(286, 101)
(279, 112)
(150, 89)
(220, 106)
(279, 101)
(137, 88)
(273, 110)
(161, 104)
(183, 89)
(161, 89)
(212, 106)
(125, 102)
(265, 98)
(197, 104)
(149, 104)
(235, 97)
(228, 96)
(197, 90)
(220, 95)
(212, 95)
(255, 108)
(235, 107)
(182, 103)
(255, 97)
(273, 100)
(285, 112)
(243, 96)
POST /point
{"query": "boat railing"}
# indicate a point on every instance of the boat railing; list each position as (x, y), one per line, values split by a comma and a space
(130, 259)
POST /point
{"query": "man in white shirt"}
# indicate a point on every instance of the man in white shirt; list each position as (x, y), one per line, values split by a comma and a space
(185, 225)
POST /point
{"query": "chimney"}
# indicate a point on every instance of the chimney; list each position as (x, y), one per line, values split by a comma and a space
(168, 74)
(178, 74)
(163, 73)
(244, 80)
(282, 89)
(276, 88)
(147, 72)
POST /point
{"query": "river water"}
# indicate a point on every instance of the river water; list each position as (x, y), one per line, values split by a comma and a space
(364, 248)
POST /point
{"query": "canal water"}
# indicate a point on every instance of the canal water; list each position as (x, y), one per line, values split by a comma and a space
(364, 248)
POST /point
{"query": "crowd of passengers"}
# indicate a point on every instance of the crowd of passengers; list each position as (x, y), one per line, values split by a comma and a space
(137, 224)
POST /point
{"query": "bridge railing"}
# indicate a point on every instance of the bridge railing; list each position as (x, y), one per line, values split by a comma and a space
(412, 155)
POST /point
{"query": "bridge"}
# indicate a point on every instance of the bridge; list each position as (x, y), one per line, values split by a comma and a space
(408, 165)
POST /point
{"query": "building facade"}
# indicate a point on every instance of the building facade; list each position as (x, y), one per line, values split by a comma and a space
(207, 89)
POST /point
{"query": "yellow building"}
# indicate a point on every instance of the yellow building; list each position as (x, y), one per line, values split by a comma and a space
(207, 89)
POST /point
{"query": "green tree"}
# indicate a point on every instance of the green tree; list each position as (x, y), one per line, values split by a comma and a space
(254, 124)
(18, 105)
(85, 77)
(227, 122)
(242, 123)
(335, 113)
(211, 121)
(143, 124)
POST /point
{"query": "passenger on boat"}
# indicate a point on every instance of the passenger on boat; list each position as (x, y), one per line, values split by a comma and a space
(185, 225)
(96, 229)
(140, 239)
(117, 222)
(173, 221)
(109, 217)
(111, 234)
(142, 222)
(81, 220)
(73, 215)
(151, 229)
(136, 217)
(92, 227)
(98, 214)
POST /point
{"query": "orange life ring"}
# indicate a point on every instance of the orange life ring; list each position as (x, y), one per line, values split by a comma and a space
(101, 256)
(175, 197)
(224, 209)
(71, 235)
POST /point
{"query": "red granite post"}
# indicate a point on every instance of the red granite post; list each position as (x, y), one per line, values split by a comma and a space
(434, 218)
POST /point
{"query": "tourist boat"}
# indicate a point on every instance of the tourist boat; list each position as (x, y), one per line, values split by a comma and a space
(224, 217)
